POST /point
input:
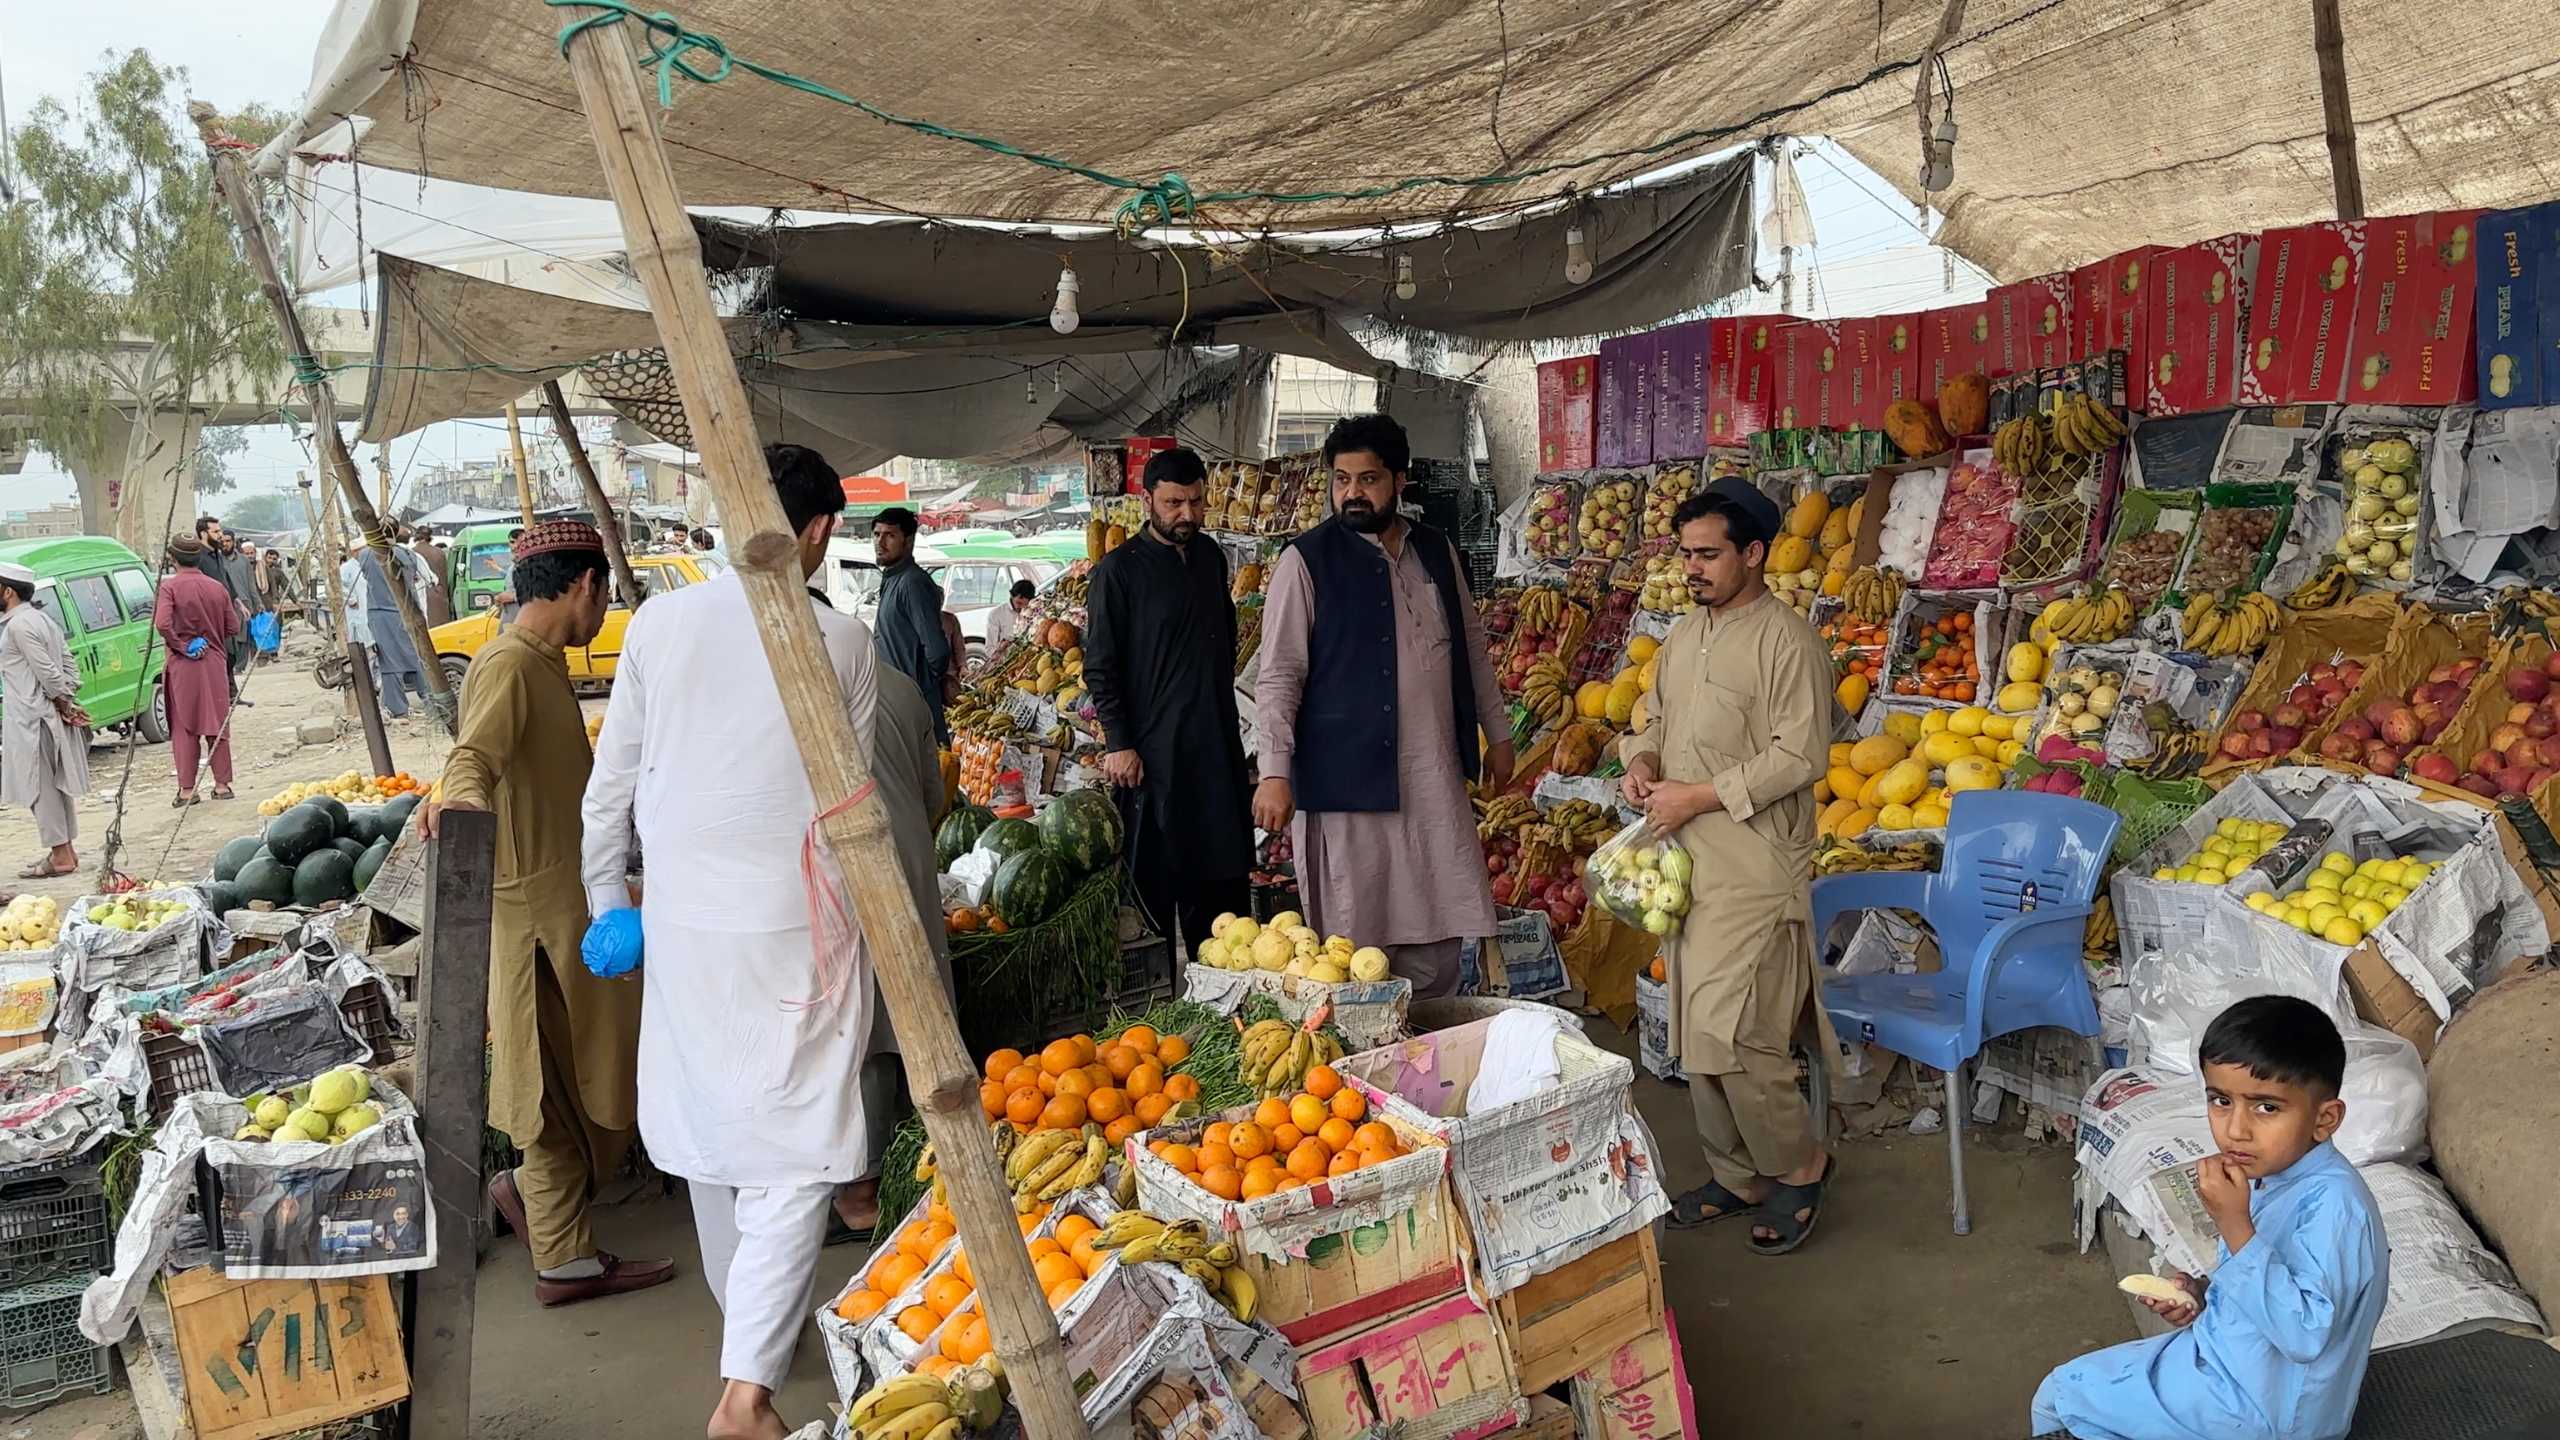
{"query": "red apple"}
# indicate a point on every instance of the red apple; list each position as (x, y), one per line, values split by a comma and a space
(2519, 712)
(2428, 711)
(2528, 683)
(2290, 714)
(2400, 726)
(2262, 743)
(2524, 754)
(2480, 785)
(2504, 736)
(2339, 746)
(2352, 672)
(2533, 782)
(2445, 671)
(2249, 720)
(2381, 759)
(2486, 762)
(2551, 665)
(2435, 765)
(2356, 728)
(2238, 744)
(2379, 711)
(2540, 724)
(2434, 729)
(2322, 671)
(2281, 739)
(2305, 695)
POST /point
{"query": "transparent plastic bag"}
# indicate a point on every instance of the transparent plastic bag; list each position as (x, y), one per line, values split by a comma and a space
(1643, 876)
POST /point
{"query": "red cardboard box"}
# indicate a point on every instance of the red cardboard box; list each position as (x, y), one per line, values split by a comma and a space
(1141, 449)
(1954, 341)
(1568, 404)
(2199, 298)
(1832, 377)
(2049, 333)
(2411, 341)
(2108, 310)
(1680, 391)
(1741, 377)
(1862, 342)
(1897, 350)
(2514, 248)
(1615, 402)
(1795, 343)
(2018, 318)
(2301, 313)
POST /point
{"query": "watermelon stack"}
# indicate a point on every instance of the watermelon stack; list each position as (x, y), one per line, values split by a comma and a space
(1043, 861)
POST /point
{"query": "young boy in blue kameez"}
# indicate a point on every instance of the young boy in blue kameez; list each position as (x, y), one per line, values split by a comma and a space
(2274, 1346)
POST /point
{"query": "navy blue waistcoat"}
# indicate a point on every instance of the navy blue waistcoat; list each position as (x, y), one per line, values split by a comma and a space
(1346, 742)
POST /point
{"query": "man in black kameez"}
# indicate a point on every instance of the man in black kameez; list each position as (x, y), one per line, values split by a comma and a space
(1160, 663)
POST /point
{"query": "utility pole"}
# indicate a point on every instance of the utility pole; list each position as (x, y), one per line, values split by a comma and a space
(606, 524)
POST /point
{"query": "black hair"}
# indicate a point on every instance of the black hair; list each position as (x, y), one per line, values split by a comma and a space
(2279, 1038)
(1739, 525)
(1380, 435)
(1180, 465)
(702, 537)
(807, 484)
(25, 590)
(1024, 589)
(203, 523)
(552, 574)
(512, 534)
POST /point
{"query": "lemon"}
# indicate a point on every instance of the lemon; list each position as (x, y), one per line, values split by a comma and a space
(2208, 875)
(2232, 828)
(2367, 914)
(2337, 863)
(2185, 874)
(2328, 880)
(2342, 931)
(2357, 887)
(2259, 900)
(2390, 896)
(2165, 872)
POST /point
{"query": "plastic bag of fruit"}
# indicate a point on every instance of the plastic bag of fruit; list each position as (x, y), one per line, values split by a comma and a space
(1548, 530)
(2382, 470)
(1643, 877)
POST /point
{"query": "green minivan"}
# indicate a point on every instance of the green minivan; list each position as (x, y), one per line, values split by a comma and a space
(100, 593)
(481, 561)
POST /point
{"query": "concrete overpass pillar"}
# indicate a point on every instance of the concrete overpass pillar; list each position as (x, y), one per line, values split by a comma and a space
(147, 490)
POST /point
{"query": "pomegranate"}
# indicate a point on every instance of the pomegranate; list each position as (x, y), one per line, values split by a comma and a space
(2290, 715)
(2435, 766)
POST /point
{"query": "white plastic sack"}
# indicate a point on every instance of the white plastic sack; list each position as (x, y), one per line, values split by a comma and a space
(2178, 992)
(2386, 1095)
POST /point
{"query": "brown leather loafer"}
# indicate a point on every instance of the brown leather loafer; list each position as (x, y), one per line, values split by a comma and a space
(502, 1193)
(620, 1277)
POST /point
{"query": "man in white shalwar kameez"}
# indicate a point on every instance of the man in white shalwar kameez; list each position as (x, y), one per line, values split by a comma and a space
(46, 751)
(750, 1050)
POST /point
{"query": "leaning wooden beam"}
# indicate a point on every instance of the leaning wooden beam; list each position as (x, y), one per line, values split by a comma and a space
(562, 426)
(524, 475)
(453, 1115)
(231, 180)
(668, 259)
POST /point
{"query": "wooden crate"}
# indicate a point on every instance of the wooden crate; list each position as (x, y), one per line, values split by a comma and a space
(1637, 1392)
(1350, 1281)
(1572, 1317)
(265, 1358)
(1440, 1372)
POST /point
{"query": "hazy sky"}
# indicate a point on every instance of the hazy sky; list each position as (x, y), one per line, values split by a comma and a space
(1872, 259)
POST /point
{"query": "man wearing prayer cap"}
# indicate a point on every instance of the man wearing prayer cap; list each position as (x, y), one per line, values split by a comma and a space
(1741, 727)
(44, 759)
(564, 1044)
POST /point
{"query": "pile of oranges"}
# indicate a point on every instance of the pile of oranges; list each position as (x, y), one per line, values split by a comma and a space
(1124, 1085)
(1062, 1260)
(1942, 655)
(1321, 1131)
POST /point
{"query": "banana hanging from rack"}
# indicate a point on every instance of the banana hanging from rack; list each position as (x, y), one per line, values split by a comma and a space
(2020, 445)
(2332, 585)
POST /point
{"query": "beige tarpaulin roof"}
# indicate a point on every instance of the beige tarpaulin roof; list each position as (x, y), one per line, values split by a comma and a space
(2087, 125)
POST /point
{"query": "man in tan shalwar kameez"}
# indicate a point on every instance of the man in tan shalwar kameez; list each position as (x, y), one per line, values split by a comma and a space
(563, 1078)
(1742, 706)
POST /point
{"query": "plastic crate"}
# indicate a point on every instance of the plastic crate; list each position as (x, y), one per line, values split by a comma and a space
(178, 1067)
(2151, 809)
(53, 1223)
(43, 1355)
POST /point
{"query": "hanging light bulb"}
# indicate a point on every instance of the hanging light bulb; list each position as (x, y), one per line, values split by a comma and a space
(1062, 316)
(1405, 288)
(1030, 387)
(1941, 171)
(1577, 255)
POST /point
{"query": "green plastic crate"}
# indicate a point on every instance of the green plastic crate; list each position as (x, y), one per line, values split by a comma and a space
(43, 1355)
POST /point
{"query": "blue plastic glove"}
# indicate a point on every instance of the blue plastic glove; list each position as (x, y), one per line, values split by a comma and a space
(195, 647)
(612, 944)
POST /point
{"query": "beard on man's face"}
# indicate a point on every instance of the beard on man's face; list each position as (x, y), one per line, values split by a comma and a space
(1366, 518)
(1178, 533)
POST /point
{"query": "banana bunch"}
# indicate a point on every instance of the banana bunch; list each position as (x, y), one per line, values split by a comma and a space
(974, 714)
(920, 1407)
(1846, 857)
(1049, 1163)
(1184, 1244)
(2098, 937)
(1277, 1055)
(1545, 690)
(2333, 584)
(2082, 426)
(2020, 445)
(2240, 628)
(1541, 608)
(1873, 595)
(2089, 619)
(1583, 823)
(1503, 814)
(2176, 755)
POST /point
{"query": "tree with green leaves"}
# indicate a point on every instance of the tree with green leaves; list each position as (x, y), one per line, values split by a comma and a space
(122, 296)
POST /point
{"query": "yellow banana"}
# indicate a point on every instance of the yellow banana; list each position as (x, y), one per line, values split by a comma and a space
(1086, 1171)
(1034, 1151)
(893, 1397)
(1035, 1184)
(1239, 1291)
(1142, 1249)
(913, 1423)
(1124, 1227)
(1202, 1271)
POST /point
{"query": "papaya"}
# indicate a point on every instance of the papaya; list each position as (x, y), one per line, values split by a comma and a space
(1964, 403)
(1913, 429)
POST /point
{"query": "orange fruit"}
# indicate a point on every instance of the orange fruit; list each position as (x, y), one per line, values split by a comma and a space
(1215, 1155)
(940, 1367)
(1028, 1223)
(861, 1304)
(1348, 1105)
(960, 1267)
(1336, 1133)
(1147, 1079)
(946, 1294)
(1048, 1083)
(1258, 1183)
(1308, 1159)
(1375, 1137)
(1044, 1247)
(1172, 1050)
(1120, 1060)
(1150, 1109)
(1060, 1056)
(1085, 1048)
(1217, 1133)
(911, 1240)
(1181, 1157)
(1062, 1292)
(1121, 1129)
(1141, 1038)
(991, 1098)
(1075, 1083)
(936, 1235)
(1288, 1183)
(937, 1213)
(1055, 1267)
(1181, 1087)
(917, 1321)
(1285, 1138)
(1086, 1257)
(967, 1341)
(1249, 1140)
(1322, 1081)
(1099, 1073)
(1107, 1104)
(896, 1273)
(1307, 1112)
(1272, 1113)
(999, 1062)
(1343, 1162)
(1064, 1113)
(1074, 1228)
(1022, 1106)
(1158, 1147)
(1263, 1162)
(1021, 1075)
(1222, 1181)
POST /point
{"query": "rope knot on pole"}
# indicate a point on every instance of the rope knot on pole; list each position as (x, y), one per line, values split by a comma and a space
(671, 47)
(1162, 203)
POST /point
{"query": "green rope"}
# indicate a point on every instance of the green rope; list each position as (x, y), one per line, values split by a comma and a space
(307, 371)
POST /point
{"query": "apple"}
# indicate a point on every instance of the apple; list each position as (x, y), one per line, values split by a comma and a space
(2504, 736)
(2290, 714)
(2262, 743)
(2400, 726)
(2281, 738)
(2239, 744)
(2352, 672)
(2485, 762)
(2540, 725)
(2249, 720)
(2356, 728)
(2381, 759)
(2435, 766)
(2339, 746)
(2525, 682)
(2480, 785)
(2551, 665)
(2434, 729)
(2443, 672)
(2519, 712)
(2305, 695)
(2533, 782)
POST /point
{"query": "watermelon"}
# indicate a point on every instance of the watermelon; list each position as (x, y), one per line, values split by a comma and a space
(268, 879)
(324, 875)
(1008, 837)
(349, 847)
(1028, 887)
(364, 824)
(331, 806)
(299, 831)
(371, 864)
(960, 830)
(1083, 834)
(395, 814)
(234, 854)
(220, 896)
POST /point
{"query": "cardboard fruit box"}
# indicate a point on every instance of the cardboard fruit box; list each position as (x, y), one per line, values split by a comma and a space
(2197, 309)
(1640, 1391)
(2305, 304)
(2422, 643)
(1567, 413)
(2411, 341)
(1574, 1316)
(1440, 1371)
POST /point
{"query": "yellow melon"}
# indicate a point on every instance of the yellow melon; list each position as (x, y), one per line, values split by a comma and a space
(1845, 782)
(1839, 754)
(1928, 815)
(1859, 822)
(1641, 648)
(1619, 704)
(1852, 692)
(1790, 554)
(1904, 726)
(1838, 810)
(1876, 753)
(1895, 817)
(1806, 520)
(1944, 748)
(2026, 662)
(1904, 783)
(1973, 773)
(1591, 702)
(2018, 697)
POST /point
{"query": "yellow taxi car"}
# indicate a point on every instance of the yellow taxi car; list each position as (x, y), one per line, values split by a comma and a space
(459, 640)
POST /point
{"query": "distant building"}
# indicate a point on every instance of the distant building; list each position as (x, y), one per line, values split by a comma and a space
(38, 524)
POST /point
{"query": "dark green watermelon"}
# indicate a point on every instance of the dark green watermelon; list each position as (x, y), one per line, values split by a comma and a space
(323, 876)
(299, 831)
(364, 824)
(960, 831)
(266, 878)
(395, 814)
(331, 806)
(234, 854)
(1028, 887)
(350, 847)
(1008, 837)
(220, 896)
(371, 864)
(1084, 835)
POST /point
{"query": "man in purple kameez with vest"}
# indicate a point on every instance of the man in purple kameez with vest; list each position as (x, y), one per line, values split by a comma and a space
(1374, 687)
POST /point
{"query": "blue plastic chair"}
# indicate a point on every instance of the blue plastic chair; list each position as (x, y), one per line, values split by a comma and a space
(2008, 904)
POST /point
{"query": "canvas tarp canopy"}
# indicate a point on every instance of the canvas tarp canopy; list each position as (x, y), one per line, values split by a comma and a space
(2087, 125)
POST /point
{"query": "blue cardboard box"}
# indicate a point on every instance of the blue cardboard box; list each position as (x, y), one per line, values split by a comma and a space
(2518, 301)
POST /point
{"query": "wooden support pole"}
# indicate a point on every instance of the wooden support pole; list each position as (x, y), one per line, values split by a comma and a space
(524, 475)
(597, 501)
(231, 182)
(2337, 116)
(382, 480)
(453, 1112)
(664, 252)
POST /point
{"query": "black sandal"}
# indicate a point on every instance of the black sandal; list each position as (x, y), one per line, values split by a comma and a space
(1689, 1210)
(1778, 1213)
